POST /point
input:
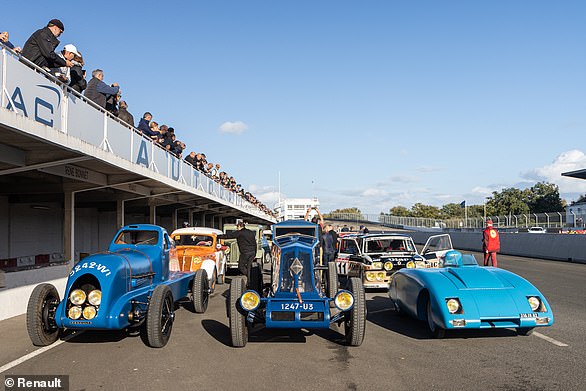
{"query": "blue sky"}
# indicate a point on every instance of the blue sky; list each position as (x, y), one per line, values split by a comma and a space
(366, 104)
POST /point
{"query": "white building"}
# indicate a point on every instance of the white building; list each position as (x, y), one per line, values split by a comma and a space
(295, 208)
(576, 214)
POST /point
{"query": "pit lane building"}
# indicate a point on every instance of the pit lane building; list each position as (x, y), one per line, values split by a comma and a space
(71, 174)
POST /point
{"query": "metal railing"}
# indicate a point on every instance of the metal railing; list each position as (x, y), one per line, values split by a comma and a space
(34, 93)
(545, 220)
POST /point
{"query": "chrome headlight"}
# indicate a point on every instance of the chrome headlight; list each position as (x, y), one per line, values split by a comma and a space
(344, 300)
(453, 305)
(74, 312)
(89, 312)
(380, 276)
(227, 250)
(77, 297)
(250, 300)
(411, 265)
(370, 276)
(95, 297)
(534, 302)
(377, 265)
(388, 266)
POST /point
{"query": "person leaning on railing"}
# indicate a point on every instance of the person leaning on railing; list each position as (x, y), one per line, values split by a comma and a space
(40, 47)
(4, 38)
(98, 91)
(124, 114)
(77, 74)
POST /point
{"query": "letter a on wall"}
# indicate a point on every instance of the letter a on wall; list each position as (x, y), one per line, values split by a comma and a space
(143, 154)
(18, 103)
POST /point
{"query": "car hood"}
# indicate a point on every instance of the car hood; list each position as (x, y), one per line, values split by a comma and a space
(475, 278)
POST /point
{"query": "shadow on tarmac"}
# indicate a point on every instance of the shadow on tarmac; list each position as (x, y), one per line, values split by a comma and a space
(382, 313)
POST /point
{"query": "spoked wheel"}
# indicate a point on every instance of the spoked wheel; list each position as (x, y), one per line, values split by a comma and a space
(436, 331)
(355, 322)
(200, 291)
(524, 331)
(332, 280)
(238, 326)
(40, 315)
(160, 317)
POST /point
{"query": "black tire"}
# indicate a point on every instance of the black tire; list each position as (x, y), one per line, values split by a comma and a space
(160, 317)
(355, 322)
(200, 291)
(255, 280)
(40, 315)
(435, 330)
(332, 287)
(221, 280)
(525, 331)
(238, 326)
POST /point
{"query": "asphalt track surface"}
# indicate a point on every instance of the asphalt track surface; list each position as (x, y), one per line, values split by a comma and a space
(397, 353)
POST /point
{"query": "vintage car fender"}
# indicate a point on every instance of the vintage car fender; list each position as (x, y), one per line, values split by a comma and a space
(209, 266)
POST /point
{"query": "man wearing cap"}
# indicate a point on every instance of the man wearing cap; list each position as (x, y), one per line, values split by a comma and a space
(40, 47)
(63, 73)
(246, 240)
(490, 243)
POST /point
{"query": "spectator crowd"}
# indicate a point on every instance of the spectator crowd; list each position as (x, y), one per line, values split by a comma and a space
(67, 67)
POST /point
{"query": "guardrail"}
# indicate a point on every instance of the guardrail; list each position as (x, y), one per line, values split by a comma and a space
(31, 262)
(32, 92)
(546, 220)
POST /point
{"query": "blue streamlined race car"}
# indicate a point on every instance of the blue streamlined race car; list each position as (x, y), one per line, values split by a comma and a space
(295, 298)
(127, 286)
(462, 295)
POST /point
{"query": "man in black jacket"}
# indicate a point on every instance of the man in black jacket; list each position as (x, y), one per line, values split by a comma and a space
(246, 240)
(40, 47)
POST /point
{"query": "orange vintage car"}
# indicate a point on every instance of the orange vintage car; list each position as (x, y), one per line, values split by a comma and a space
(198, 248)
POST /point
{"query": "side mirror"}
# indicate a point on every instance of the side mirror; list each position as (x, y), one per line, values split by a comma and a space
(218, 246)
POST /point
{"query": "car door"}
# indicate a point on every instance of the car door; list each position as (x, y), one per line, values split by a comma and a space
(436, 247)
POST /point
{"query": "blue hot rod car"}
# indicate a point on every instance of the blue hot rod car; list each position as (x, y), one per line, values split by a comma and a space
(296, 297)
(459, 294)
(127, 286)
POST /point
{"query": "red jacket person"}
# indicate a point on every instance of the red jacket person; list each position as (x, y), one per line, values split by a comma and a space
(491, 243)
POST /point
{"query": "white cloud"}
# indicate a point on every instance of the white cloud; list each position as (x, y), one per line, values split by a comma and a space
(266, 194)
(236, 127)
(374, 193)
(567, 161)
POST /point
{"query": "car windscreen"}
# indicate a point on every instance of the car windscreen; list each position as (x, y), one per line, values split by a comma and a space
(287, 275)
(309, 231)
(384, 245)
(137, 237)
(194, 240)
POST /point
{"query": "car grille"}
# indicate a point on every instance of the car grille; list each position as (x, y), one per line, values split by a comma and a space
(283, 316)
(312, 316)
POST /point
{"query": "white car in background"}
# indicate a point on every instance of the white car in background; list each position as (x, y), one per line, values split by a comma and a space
(536, 230)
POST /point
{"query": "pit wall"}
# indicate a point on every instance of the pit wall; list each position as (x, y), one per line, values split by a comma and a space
(560, 247)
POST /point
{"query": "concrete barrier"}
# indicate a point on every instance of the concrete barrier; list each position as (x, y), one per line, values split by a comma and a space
(19, 286)
(558, 247)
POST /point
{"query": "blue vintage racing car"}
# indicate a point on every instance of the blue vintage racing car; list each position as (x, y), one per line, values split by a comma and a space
(129, 285)
(459, 294)
(302, 293)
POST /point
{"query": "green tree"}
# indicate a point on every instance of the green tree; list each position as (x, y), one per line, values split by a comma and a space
(400, 211)
(508, 201)
(450, 211)
(545, 197)
(426, 211)
(345, 210)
